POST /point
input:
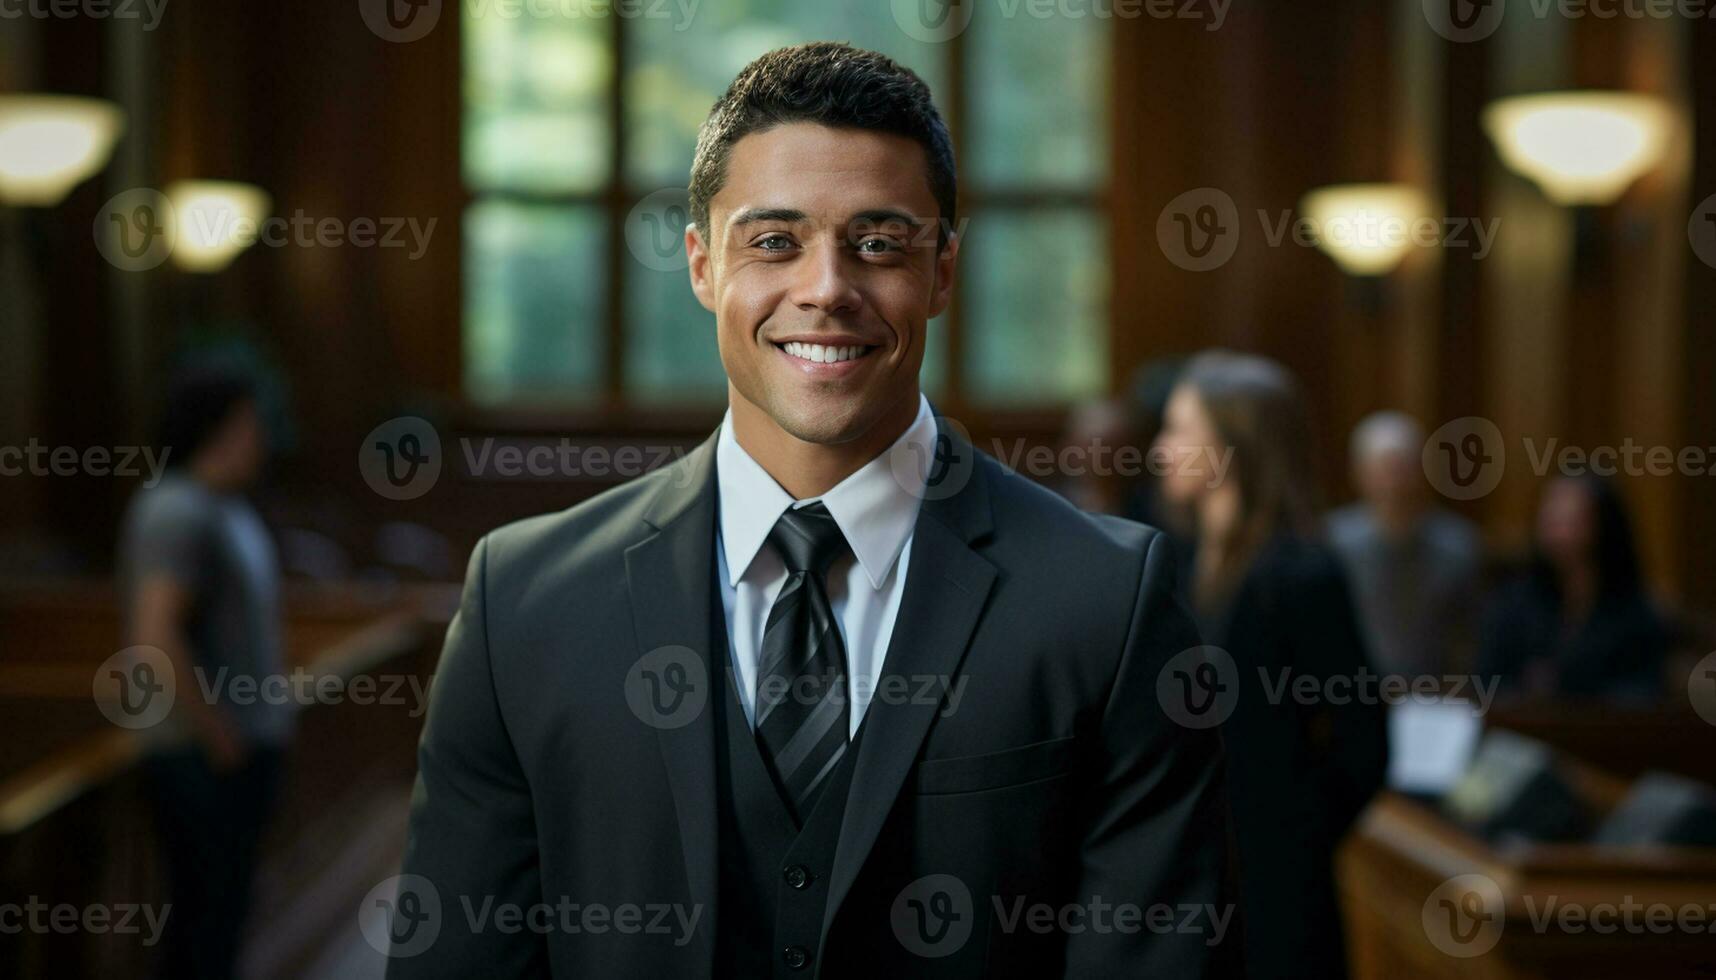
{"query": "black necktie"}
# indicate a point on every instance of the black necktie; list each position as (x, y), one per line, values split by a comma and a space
(802, 705)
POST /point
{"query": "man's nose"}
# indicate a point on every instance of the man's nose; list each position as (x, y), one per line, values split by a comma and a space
(825, 282)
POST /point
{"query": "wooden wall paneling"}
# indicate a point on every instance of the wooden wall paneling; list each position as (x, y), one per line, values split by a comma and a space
(1694, 517)
(1520, 359)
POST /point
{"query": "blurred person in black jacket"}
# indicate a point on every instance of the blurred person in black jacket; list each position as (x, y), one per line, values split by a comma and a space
(1302, 766)
(1578, 623)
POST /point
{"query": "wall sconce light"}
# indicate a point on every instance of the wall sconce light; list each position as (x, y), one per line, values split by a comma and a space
(51, 143)
(1581, 147)
(1366, 228)
(217, 219)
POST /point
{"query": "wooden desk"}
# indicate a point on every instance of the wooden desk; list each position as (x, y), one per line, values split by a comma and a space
(1394, 871)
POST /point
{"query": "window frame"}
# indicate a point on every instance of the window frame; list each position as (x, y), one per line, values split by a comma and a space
(611, 410)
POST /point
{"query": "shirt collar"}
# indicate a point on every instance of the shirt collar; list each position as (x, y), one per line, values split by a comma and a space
(876, 507)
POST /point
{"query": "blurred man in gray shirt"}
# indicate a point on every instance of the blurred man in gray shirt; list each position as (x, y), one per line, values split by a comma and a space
(1414, 567)
(199, 582)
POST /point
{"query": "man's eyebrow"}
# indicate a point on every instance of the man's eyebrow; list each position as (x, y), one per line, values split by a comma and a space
(878, 216)
(746, 216)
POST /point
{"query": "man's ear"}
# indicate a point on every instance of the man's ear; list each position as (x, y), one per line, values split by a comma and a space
(698, 253)
(944, 268)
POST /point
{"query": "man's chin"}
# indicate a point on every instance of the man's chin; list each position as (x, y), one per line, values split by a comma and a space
(822, 426)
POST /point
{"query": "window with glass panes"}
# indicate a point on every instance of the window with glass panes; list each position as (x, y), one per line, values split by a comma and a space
(579, 126)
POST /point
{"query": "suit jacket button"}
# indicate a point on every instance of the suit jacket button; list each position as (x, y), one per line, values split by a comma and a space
(798, 877)
(795, 956)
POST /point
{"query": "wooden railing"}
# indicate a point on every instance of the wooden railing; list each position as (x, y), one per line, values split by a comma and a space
(75, 825)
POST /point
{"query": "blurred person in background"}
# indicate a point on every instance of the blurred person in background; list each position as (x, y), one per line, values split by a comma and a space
(1578, 623)
(1265, 591)
(1097, 476)
(1147, 402)
(199, 581)
(1414, 567)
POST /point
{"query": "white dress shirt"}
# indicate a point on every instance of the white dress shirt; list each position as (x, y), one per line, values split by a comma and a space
(876, 509)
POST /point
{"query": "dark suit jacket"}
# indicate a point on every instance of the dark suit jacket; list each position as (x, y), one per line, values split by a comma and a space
(1056, 780)
(1300, 769)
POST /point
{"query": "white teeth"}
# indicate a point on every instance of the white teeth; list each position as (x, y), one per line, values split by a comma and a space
(821, 353)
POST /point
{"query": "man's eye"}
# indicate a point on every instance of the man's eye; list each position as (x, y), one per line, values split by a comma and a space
(878, 246)
(774, 243)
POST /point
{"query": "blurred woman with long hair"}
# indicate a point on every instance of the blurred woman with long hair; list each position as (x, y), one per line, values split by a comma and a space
(1579, 623)
(1263, 588)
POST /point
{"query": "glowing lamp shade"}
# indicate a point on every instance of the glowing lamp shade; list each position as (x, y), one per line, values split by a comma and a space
(1366, 228)
(217, 219)
(1580, 147)
(51, 143)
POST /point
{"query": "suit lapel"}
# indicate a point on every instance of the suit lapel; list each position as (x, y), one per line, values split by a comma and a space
(947, 584)
(670, 583)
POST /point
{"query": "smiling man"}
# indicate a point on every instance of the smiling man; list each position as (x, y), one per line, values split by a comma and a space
(834, 695)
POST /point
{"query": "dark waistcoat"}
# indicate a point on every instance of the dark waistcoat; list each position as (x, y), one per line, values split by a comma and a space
(774, 874)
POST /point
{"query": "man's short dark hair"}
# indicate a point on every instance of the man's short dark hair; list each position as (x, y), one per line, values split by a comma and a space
(201, 395)
(832, 84)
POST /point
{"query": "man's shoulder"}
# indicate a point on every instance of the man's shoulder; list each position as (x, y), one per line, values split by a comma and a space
(1042, 530)
(596, 531)
(177, 504)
